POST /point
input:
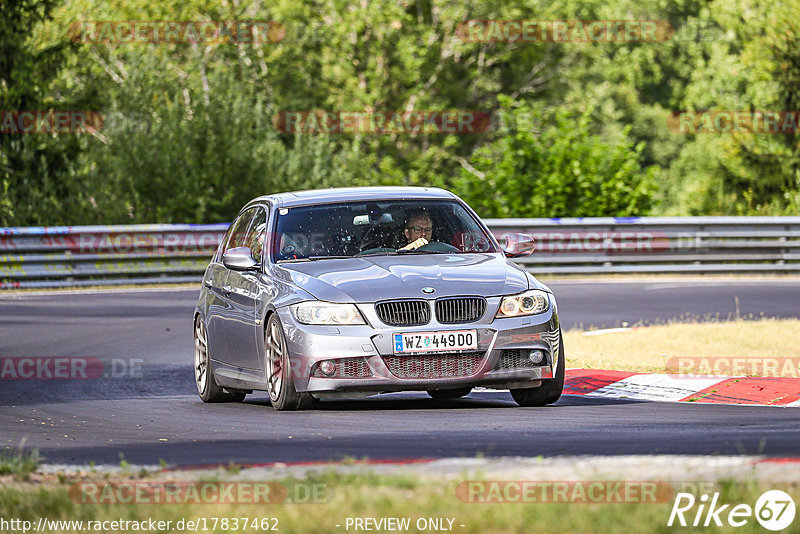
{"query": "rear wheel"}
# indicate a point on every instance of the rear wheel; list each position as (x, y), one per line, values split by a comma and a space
(207, 387)
(550, 390)
(280, 382)
(449, 393)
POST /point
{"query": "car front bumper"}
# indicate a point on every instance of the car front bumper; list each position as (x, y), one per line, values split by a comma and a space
(368, 349)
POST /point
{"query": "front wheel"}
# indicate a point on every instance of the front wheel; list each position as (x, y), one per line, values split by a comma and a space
(207, 387)
(280, 382)
(550, 390)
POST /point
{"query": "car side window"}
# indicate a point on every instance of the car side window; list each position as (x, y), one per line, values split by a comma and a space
(239, 230)
(257, 234)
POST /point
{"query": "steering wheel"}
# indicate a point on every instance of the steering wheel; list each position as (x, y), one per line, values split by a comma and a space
(376, 236)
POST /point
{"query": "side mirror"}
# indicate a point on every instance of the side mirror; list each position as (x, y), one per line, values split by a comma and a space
(518, 245)
(239, 259)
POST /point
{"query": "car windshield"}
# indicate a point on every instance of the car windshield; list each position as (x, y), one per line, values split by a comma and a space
(349, 229)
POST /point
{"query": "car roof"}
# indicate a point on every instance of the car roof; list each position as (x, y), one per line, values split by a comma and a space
(353, 194)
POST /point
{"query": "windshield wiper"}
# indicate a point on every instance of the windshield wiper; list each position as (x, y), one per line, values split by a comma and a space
(384, 253)
(314, 258)
(417, 251)
(401, 252)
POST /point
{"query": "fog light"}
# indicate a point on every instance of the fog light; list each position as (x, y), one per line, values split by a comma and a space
(327, 367)
(537, 356)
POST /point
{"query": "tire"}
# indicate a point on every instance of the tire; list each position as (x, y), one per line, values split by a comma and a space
(550, 390)
(441, 394)
(207, 386)
(280, 384)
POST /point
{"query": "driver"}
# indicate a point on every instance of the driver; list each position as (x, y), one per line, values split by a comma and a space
(418, 229)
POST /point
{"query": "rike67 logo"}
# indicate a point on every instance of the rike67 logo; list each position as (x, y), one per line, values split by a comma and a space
(774, 510)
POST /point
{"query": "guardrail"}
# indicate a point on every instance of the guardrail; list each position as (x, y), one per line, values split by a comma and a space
(659, 244)
(141, 254)
(106, 255)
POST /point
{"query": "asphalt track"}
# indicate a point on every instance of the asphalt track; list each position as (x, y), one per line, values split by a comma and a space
(154, 413)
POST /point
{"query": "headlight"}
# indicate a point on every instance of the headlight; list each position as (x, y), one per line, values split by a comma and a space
(326, 313)
(528, 303)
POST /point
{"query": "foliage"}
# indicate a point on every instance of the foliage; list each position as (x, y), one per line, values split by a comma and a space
(31, 166)
(19, 463)
(189, 133)
(554, 166)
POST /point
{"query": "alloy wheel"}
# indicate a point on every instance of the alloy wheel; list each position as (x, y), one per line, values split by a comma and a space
(200, 355)
(275, 353)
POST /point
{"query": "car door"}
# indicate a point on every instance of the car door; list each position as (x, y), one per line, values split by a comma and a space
(221, 319)
(214, 281)
(215, 278)
(243, 291)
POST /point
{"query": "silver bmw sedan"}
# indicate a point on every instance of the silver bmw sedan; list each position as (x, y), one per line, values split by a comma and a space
(359, 291)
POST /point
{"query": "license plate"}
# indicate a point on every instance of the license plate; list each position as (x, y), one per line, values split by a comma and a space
(435, 341)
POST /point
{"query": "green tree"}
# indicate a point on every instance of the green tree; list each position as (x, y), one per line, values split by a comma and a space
(755, 68)
(31, 165)
(189, 134)
(552, 165)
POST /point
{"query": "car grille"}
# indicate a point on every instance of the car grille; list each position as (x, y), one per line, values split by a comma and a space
(460, 309)
(447, 365)
(346, 368)
(404, 312)
(515, 359)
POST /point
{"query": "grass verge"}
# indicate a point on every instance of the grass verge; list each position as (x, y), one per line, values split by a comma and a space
(650, 349)
(378, 496)
(18, 463)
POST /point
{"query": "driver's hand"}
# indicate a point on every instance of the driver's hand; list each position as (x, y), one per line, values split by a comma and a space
(415, 244)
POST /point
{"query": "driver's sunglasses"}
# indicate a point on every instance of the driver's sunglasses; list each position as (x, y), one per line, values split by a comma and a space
(421, 229)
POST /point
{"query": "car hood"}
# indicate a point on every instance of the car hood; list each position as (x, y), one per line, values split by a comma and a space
(375, 278)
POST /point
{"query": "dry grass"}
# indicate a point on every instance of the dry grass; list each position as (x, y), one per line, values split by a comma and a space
(649, 349)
